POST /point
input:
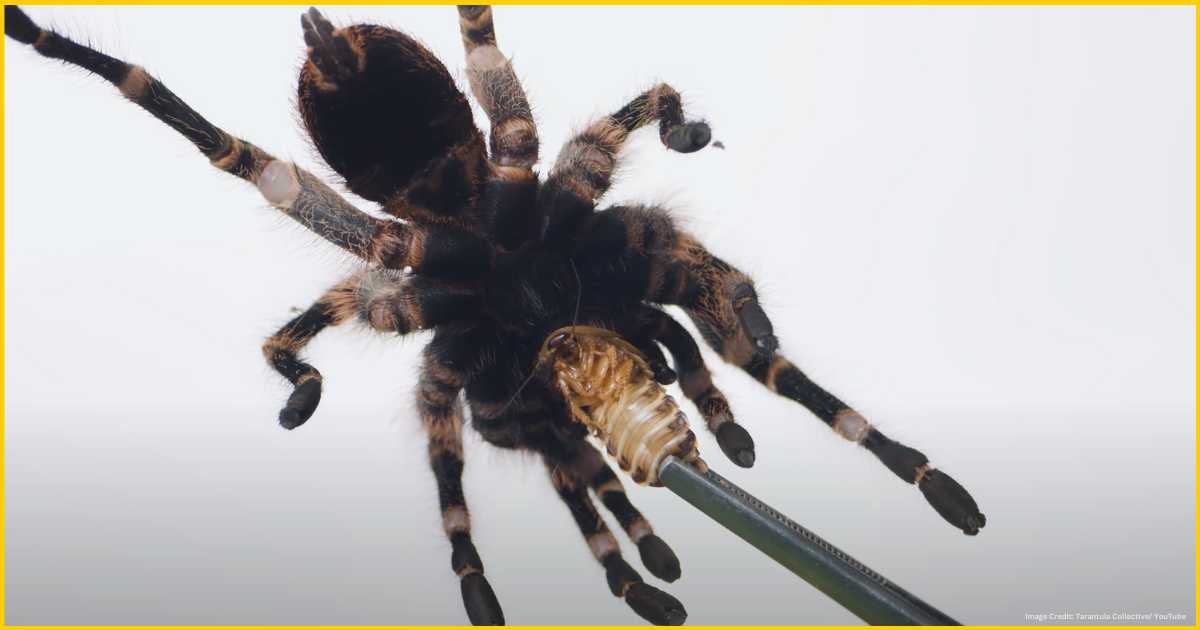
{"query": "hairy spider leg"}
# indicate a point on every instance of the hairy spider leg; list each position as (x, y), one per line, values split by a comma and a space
(585, 165)
(510, 190)
(696, 382)
(566, 451)
(725, 308)
(588, 464)
(946, 495)
(294, 191)
(383, 300)
(282, 349)
(641, 246)
(633, 246)
(514, 138)
(441, 414)
(650, 603)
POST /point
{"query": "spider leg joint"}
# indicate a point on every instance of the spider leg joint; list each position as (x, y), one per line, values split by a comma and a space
(486, 58)
(278, 184)
(851, 425)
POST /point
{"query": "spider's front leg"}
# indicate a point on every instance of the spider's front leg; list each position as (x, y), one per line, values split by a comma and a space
(650, 603)
(514, 136)
(640, 249)
(722, 302)
(383, 300)
(628, 249)
(574, 465)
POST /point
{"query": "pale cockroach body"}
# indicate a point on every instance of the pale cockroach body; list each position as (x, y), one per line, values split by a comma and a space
(610, 389)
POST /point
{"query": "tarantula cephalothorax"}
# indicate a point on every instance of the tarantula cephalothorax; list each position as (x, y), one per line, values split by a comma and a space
(502, 267)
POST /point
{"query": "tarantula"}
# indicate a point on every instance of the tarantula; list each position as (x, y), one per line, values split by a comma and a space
(494, 260)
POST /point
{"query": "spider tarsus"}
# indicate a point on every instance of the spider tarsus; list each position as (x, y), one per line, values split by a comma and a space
(754, 320)
(902, 460)
(618, 573)
(689, 137)
(483, 609)
(301, 404)
(658, 558)
(19, 26)
(952, 501)
(655, 606)
(663, 374)
(736, 443)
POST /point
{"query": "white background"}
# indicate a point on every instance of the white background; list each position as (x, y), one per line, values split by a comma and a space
(974, 224)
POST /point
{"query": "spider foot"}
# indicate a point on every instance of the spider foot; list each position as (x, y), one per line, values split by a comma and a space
(951, 501)
(663, 374)
(19, 26)
(688, 137)
(301, 404)
(658, 558)
(736, 443)
(483, 609)
(654, 605)
(648, 602)
(754, 320)
(328, 49)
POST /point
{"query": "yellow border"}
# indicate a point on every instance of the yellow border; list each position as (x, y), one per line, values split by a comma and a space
(749, 3)
(3, 293)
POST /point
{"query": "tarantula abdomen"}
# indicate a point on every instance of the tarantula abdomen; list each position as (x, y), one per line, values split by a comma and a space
(380, 107)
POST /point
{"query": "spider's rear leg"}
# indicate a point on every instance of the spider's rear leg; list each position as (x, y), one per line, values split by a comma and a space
(385, 113)
(514, 136)
(586, 163)
(511, 186)
(294, 191)
(722, 302)
(648, 602)
(382, 299)
(634, 249)
(434, 250)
